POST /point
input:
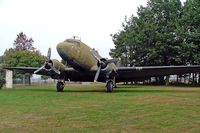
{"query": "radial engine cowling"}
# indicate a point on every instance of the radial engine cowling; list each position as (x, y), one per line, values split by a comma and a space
(102, 63)
(58, 65)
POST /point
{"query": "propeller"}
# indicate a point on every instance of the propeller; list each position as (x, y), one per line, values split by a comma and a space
(49, 55)
(102, 63)
(48, 65)
(38, 70)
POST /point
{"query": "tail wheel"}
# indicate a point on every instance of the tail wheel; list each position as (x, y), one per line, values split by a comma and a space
(110, 86)
(60, 86)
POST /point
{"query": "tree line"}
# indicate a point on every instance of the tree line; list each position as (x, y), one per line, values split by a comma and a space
(165, 32)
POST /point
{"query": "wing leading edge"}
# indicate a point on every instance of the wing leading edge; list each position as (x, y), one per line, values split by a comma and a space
(22, 69)
(30, 70)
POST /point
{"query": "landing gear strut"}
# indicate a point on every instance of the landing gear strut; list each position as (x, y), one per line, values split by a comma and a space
(115, 85)
(60, 86)
(109, 86)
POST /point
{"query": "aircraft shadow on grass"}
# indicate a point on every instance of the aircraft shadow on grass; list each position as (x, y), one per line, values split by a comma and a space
(121, 90)
(157, 91)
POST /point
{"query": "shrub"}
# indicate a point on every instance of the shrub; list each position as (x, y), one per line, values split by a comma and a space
(2, 82)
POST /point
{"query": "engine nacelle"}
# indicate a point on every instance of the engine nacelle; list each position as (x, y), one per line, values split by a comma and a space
(57, 64)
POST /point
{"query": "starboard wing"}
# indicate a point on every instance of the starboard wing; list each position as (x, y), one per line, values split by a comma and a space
(134, 73)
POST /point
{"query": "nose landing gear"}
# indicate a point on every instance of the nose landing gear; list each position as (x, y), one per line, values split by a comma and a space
(110, 85)
(60, 86)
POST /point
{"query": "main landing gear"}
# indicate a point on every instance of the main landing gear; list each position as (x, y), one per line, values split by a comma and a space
(60, 86)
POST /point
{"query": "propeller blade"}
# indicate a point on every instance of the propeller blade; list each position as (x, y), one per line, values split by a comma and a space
(111, 61)
(36, 71)
(49, 54)
(55, 70)
(97, 74)
(96, 55)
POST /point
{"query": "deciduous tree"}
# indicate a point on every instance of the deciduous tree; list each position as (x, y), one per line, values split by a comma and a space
(22, 42)
(23, 54)
(165, 32)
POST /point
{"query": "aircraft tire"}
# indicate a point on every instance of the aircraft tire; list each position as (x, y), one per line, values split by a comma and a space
(110, 86)
(60, 86)
(115, 86)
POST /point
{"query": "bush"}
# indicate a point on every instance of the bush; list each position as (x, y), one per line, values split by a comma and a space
(2, 82)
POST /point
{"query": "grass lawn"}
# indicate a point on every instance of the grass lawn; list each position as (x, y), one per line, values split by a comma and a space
(90, 109)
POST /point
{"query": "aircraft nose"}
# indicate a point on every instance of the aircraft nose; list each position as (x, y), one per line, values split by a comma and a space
(63, 46)
(64, 49)
(60, 46)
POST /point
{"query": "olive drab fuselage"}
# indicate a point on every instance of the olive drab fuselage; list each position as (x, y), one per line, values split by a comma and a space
(78, 55)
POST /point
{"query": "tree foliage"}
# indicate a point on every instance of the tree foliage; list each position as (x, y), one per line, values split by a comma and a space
(25, 59)
(2, 73)
(1, 59)
(23, 55)
(2, 81)
(165, 32)
(22, 42)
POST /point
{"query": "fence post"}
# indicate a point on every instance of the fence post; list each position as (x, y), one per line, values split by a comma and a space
(9, 79)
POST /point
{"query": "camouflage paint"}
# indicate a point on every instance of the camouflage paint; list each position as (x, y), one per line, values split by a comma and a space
(76, 53)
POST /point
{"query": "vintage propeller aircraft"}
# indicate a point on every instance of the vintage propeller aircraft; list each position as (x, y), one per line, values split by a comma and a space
(87, 66)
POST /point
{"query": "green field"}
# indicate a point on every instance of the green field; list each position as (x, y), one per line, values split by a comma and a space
(91, 109)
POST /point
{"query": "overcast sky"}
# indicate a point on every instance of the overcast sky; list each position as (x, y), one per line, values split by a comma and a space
(49, 22)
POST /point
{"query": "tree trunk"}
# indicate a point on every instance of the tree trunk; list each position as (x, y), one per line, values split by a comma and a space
(29, 79)
(198, 78)
(180, 78)
(193, 78)
(167, 80)
(24, 79)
